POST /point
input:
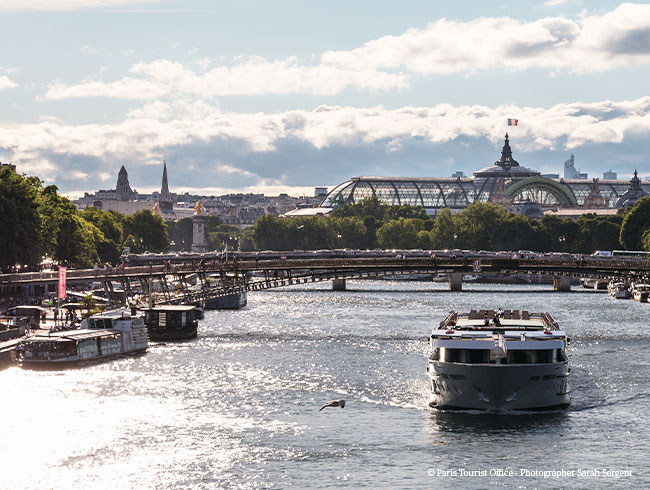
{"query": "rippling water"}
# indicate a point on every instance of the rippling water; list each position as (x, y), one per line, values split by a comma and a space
(238, 407)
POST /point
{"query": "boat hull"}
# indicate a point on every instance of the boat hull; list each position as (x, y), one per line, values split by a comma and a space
(229, 302)
(55, 364)
(499, 387)
(159, 334)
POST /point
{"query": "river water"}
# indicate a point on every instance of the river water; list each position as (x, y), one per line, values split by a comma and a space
(238, 406)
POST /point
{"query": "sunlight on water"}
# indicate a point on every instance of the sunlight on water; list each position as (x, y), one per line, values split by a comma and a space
(238, 406)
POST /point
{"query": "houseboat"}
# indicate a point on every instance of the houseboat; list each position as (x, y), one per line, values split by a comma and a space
(101, 337)
(172, 322)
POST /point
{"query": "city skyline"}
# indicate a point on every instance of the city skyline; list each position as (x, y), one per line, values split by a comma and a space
(272, 97)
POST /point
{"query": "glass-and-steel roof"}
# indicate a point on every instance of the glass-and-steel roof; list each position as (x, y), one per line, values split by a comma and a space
(505, 179)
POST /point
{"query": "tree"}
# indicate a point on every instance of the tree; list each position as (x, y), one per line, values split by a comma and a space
(180, 234)
(517, 232)
(223, 235)
(110, 248)
(635, 224)
(401, 233)
(350, 232)
(20, 222)
(478, 224)
(65, 235)
(443, 233)
(147, 231)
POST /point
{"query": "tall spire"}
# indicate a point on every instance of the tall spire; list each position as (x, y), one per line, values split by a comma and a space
(165, 199)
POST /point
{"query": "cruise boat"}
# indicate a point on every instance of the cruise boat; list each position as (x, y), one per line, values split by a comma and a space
(640, 292)
(172, 322)
(619, 290)
(508, 360)
(101, 337)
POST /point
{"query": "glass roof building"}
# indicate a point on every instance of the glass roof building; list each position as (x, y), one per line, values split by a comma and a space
(503, 182)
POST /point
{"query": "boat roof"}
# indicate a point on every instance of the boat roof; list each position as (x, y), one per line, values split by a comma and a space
(171, 308)
(120, 314)
(475, 320)
(70, 335)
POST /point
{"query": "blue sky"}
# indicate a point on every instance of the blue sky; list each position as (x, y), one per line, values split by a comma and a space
(281, 96)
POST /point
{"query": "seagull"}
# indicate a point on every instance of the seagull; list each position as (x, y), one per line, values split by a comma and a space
(333, 403)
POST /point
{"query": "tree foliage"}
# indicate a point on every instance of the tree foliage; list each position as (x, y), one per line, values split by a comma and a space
(635, 224)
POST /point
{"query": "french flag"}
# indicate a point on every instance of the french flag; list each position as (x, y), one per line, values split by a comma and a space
(513, 122)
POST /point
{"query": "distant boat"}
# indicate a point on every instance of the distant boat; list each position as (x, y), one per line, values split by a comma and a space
(172, 322)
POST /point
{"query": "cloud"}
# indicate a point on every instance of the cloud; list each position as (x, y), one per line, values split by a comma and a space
(619, 38)
(5, 82)
(255, 76)
(322, 146)
(592, 43)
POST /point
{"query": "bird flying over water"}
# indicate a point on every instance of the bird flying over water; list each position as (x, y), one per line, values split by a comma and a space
(333, 403)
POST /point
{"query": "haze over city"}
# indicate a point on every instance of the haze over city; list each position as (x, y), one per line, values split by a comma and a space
(259, 96)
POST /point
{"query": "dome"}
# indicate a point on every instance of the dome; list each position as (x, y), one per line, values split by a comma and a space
(506, 166)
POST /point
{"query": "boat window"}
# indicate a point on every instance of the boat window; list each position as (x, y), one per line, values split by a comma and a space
(476, 356)
(435, 356)
(561, 356)
(61, 350)
(100, 323)
(452, 355)
(544, 356)
(151, 317)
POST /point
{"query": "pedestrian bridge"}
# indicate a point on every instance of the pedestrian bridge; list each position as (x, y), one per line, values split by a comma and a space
(244, 272)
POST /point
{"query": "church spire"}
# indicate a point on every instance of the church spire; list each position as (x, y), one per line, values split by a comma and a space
(165, 199)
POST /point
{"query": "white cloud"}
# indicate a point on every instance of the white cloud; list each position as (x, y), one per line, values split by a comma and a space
(5, 82)
(237, 139)
(126, 88)
(620, 38)
(254, 76)
(555, 3)
(593, 43)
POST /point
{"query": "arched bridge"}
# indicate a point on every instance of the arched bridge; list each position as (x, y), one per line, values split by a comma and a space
(249, 272)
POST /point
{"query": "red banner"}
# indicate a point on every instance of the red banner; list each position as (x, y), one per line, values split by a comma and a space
(62, 289)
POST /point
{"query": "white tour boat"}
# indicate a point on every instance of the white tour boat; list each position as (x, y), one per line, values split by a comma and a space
(641, 292)
(508, 360)
(619, 290)
(102, 336)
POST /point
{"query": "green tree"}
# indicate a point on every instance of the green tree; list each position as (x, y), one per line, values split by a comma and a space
(478, 224)
(635, 224)
(517, 232)
(65, 235)
(224, 235)
(443, 233)
(350, 232)
(145, 232)
(271, 233)
(108, 222)
(401, 233)
(370, 206)
(20, 220)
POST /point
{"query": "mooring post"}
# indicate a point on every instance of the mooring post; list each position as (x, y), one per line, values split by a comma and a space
(338, 285)
(562, 283)
(456, 281)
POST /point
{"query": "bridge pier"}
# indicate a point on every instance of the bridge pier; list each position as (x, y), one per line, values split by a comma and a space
(338, 285)
(456, 282)
(562, 283)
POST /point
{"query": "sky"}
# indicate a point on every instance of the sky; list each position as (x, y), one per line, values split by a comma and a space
(275, 96)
